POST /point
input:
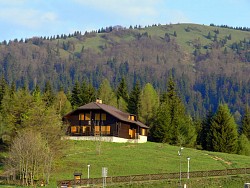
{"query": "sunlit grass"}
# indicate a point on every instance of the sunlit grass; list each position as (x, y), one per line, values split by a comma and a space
(150, 158)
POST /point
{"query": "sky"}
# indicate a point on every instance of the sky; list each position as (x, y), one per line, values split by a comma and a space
(20, 19)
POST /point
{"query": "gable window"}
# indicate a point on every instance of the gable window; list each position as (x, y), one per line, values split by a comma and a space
(97, 116)
(81, 116)
(131, 117)
(87, 116)
(104, 117)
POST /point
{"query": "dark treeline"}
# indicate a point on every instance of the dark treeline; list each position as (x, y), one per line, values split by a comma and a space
(230, 27)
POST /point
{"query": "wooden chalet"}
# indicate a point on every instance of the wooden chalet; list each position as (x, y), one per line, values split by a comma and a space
(96, 120)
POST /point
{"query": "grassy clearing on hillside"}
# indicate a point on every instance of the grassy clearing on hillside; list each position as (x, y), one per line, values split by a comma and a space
(130, 159)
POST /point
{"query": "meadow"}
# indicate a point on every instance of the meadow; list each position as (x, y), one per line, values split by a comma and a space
(124, 159)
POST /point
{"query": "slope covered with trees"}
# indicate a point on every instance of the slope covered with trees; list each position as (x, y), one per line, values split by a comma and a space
(210, 64)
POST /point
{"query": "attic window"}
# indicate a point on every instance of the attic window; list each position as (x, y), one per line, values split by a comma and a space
(131, 117)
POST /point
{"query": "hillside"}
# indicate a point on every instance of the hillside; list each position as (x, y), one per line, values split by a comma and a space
(131, 159)
(210, 64)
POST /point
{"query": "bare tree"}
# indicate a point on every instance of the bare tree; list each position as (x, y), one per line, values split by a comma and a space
(30, 157)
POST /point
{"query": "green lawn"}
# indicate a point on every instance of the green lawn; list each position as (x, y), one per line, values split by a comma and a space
(129, 159)
(123, 159)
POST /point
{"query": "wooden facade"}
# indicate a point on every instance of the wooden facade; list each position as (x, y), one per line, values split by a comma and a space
(97, 119)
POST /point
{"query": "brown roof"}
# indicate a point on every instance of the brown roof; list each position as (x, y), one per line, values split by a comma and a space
(111, 110)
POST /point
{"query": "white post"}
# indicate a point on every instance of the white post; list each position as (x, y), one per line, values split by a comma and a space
(88, 170)
(188, 158)
(88, 173)
(179, 153)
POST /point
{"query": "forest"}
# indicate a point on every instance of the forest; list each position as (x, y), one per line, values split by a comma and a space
(31, 123)
(210, 64)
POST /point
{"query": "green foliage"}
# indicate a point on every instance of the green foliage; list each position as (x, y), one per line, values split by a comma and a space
(117, 157)
(246, 123)
(204, 137)
(62, 104)
(87, 93)
(149, 103)
(243, 145)
(223, 131)
(122, 95)
(172, 124)
(134, 102)
(76, 100)
(106, 93)
(146, 55)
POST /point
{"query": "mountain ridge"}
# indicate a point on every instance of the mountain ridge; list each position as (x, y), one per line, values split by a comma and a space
(209, 63)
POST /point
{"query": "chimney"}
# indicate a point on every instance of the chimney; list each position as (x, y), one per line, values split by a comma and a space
(99, 101)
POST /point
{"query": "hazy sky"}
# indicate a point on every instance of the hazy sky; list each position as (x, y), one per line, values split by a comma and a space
(28, 18)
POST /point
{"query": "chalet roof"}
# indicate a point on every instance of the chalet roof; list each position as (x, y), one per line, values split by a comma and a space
(111, 110)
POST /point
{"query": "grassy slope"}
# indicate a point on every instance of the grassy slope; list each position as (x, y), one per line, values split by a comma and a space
(184, 39)
(148, 158)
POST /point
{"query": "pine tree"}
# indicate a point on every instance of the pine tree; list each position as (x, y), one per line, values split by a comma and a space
(134, 100)
(223, 131)
(172, 124)
(209, 35)
(122, 95)
(48, 95)
(204, 137)
(76, 96)
(246, 123)
(3, 88)
(175, 34)
(122, 90)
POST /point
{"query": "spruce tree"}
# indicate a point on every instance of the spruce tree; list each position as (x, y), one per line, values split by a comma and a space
(134, 100)
(48, 95)
(172, 124)
(223, 131)
(204, 137)
(122, 95)
(246, 123)
(76, 96)
(122, 90)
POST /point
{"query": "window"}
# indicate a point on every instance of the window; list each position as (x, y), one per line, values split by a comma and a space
(143, 132)
(73, 129)
(131, 117)
(81, 116)
(97, 116)
(87, 116)
(104, 117)
(86, 129)
(105, 129)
